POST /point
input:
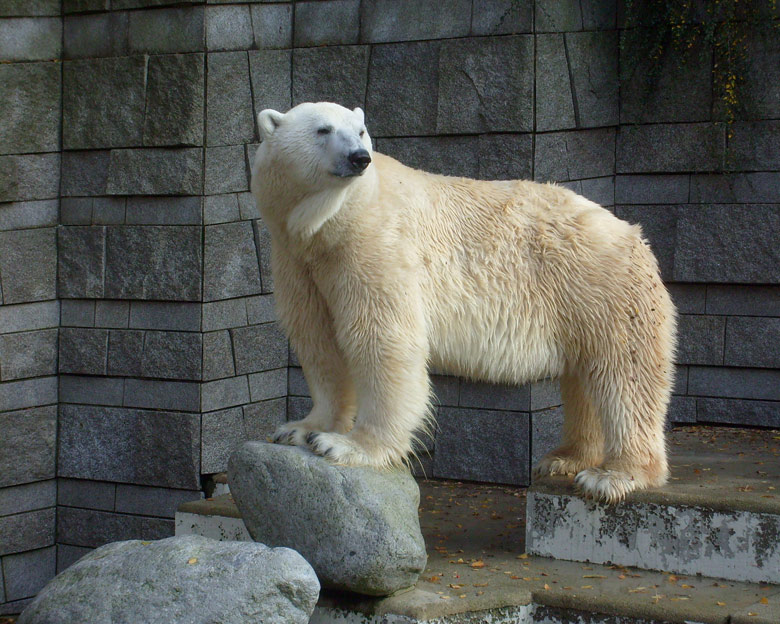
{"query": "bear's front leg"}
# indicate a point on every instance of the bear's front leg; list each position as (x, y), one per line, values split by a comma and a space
(380, 329)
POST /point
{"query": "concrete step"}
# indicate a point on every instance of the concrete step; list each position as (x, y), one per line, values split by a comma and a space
(719, 515)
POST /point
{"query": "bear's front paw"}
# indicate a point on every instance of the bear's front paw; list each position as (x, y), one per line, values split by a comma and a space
(609, 486)
(337, 448)
(292, 433)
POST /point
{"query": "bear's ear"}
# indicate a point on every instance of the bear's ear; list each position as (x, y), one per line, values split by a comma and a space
(359, 112)
(267, 121)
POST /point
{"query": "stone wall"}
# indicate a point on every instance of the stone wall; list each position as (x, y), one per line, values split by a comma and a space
(129, 124)
(30, 122)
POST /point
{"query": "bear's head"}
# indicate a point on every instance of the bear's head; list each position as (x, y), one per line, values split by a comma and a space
(319, 145)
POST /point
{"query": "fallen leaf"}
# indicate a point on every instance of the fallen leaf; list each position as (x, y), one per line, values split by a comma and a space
(671, 578)
(587, 587)
(480, 584)
(546, 586)
(478, 564)
(433, 579)
(593, 576)
(523, 556)
(462, 596)
(752, 614)
(192, 560)
(764, 600)
(455, 586)
(720, 604)
(684, 586)
(637, 590)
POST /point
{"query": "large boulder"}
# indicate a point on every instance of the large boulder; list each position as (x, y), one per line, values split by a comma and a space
(180, 580)
(358, 527)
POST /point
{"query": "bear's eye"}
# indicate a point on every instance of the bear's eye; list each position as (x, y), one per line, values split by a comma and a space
(324, 130)
(362, 132)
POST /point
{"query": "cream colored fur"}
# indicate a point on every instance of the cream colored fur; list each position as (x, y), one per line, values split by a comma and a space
(380, 276)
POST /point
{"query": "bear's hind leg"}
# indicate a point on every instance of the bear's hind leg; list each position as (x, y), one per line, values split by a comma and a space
(583, 441)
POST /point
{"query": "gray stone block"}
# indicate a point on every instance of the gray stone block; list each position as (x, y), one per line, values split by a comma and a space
(505, 156)
(326, 23)
(546, 432)
(482, 445)
(554, 98)
(174, 30)
(95, 35)
(679, 90)
(263, 247)
(21, 8)
(30, 39)
(599, 14)
(84, 173)
(445, 390)
(271, 76)
(29, 176)
(261, 419)
(28, 354)
(502, 17)
(556, 16)
(224, 393)
(28, 264)
(680, 380)
(26, 531)
(86, 494)
(494, 396)
(545, 394)
(103, 102)
(112, 314)
(646, 149)
(229, 119)
(89, 528)
(296, 383)
(226, 170)
(164, 211)
(221, 208)
(29, 316)
(155, 171)
(172, 355)
(743, 300)
(486, 85)
(700, 339)
(217, 356)
(562, 156)
(79, 6)
(260, 309)
(162, 395)
(681, 410)
(15, 395)
(223, 434)
(752, 341)
(108, 210)
(28, 497)
(153, 262)
(738, 383)
(735, 188)
(739, 412)
(599, 190)
(272, 25)
(91, 390)
(126, 353)
(174, 100)
(165, 315)
(298, 407)
(259, 348)
(652, 189)
(83, 351)
(593, 67)
(152, 501)
(384, 21)
(728, 243)
(30, 100)
(76, 211)
(659, 226)
(330, 74)
(224, 314)
(230, 266)
(68, 555)
(27, 215)
(448, 155)
(129, 446)
(228, 27)
(688, 298)
(28, 572)
(270, 384)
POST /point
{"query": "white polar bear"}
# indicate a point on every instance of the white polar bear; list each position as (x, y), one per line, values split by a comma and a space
(381, 271)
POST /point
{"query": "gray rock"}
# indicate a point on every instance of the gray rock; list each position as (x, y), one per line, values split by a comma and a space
(84, 173)
(217, 356)
(327, 23)
(26, 531)
(748, 341)
(165, 30)
(231, 268)
(226, 169)
(652, 189)
(272, 25)
(229, 118)
(754, 145)
(494, 396)
(28, 215)
(83, 350)
(30, 39)
(382, 21)
(228, 27)
(738, 412)
(505, 156)
(259, 348)
(28, 264)
(30, 101)
(90, 528)
(671, 148)
(164, 210)
(659, 225)
(358, 527)
(735, 300)
(95, 35)
(741, 383)
(31, 434)
(554, 99)
(32, 7)
(700, 339)
(29, 176)
(448, 155)
(546, 432)
(563, 156)
(331, 74)
(27, 572)
(738, 188)
(155, 171)
(555, 16)
(593, 67)
(223, 393)
(271, 72)
(174, 100)
(486, 84)
(103, 102)
(502, 17)
(166, 581)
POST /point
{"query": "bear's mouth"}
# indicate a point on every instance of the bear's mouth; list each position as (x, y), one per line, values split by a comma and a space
(347, 174)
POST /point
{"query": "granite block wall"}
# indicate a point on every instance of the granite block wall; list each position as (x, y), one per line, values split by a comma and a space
(30, 101)
(138, 344)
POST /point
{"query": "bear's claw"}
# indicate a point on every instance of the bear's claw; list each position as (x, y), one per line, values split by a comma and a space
(609, 486)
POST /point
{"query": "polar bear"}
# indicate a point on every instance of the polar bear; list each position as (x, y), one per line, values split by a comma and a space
(382, 271)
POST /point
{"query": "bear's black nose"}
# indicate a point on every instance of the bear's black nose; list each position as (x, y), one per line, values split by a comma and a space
(359, 159)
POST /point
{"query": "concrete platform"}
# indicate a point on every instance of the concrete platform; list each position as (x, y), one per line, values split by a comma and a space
(478, 570)
(718, 516)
